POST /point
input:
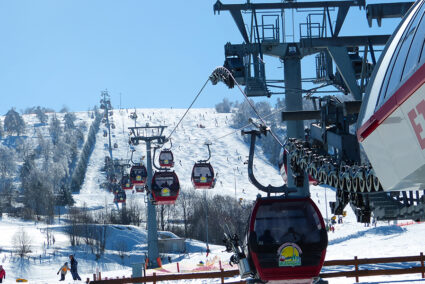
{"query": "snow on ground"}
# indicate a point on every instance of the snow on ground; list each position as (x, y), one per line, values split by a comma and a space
(228, 153)
(228, 156)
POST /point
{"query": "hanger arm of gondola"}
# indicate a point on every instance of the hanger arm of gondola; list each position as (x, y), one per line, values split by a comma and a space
(269, 189)
(131, 157)
(154, 159)
(209, 151)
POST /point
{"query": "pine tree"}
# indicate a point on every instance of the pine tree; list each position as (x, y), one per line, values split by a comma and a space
(13, 123)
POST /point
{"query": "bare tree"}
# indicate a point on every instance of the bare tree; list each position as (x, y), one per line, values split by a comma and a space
(121, 247)
(22, 242)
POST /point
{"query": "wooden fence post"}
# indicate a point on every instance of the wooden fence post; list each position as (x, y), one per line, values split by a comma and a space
(221, 276)
(100, 276)
(178, 268)
(94, 276)
(154, 278)
(422, 265)
(356, 266)
(88, 280)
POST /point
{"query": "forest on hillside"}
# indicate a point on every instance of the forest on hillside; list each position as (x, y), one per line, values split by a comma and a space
(40, 152)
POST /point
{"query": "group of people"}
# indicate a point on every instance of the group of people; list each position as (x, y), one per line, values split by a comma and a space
(65, 268)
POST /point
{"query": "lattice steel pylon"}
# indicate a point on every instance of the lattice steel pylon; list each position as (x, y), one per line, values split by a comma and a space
(138, 134)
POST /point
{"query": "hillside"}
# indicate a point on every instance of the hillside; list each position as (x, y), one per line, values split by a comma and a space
(228, 156)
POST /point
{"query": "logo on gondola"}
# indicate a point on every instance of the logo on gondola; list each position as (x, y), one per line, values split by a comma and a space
(203, 179)
(289, 255)
(165, 161)
(418, 124)
(165, 192)
(127, 185)
(138, 178)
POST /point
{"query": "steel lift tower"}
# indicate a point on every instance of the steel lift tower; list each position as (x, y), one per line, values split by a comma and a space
(149, 135)
(342, 64)
(105, 104)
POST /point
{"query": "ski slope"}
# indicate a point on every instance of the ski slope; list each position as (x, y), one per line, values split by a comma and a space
(228, 156)
(228, 153)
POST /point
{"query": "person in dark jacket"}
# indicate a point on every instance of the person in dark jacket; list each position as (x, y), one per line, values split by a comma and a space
(2, 274)
(74, 269)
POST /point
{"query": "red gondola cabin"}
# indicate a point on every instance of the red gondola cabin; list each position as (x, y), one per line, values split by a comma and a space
(165, 187)
(166, 159)
(120, 197)
(203, 175)
(287, 239)
(126, 183)
(138, 174)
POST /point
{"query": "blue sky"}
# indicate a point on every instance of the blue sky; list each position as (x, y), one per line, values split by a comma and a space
(153, 53)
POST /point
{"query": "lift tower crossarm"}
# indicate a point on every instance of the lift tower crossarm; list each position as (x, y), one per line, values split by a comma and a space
(346, 41)
(137, 132)
(386, 10)
(218, 6)
(307, 46)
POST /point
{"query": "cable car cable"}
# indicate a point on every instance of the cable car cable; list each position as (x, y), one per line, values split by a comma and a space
(194, 100)
(228, 73)
(270, 114)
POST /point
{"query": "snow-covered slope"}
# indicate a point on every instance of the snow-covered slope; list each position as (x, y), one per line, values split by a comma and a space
(228, 153)
(228, 156)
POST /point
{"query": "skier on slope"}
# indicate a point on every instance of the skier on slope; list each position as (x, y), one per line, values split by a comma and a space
(2, 274)
(63, 270)
(74, 264)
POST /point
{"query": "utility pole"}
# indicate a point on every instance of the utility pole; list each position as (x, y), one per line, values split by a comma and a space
(141, 134)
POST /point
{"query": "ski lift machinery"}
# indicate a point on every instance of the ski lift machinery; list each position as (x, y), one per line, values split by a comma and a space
(203, 173)
(286, 239)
